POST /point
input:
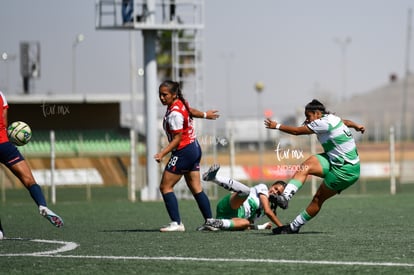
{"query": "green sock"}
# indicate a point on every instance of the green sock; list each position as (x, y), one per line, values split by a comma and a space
(300, 220)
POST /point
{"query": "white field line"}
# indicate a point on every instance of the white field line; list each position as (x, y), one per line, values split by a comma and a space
(234, 260)
(68, 246)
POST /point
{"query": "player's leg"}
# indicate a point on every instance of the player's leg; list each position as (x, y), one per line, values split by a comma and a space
(234, 224)
(192, 179)
(322, 194)
(225, 182)
(168, 181)
(194, 184)
(315, 165)
(229, 214)
(336, 180)
(22, 171)
(1, 231)
(237, 200)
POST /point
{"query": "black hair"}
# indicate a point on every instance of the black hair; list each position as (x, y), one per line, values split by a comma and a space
(316, 105)
(174, 88)
(281, 182)
(273, 198)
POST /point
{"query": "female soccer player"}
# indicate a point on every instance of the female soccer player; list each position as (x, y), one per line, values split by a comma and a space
(240, 209)
(185, 153)
(338, 165)
(15, 162)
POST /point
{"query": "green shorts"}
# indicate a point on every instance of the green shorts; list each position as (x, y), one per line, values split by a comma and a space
(338, 178)
(224, 210)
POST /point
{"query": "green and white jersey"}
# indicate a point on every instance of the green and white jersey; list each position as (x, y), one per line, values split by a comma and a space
(336, 139)
(252, 209)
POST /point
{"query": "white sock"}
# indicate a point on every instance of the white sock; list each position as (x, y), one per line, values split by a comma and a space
(292, 187)
(290, 190)
(233, 185)
(226, 223)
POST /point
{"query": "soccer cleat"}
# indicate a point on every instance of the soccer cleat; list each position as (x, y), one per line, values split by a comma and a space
(206, 227)
(1, 232)
(211, 172)
(173, 226)
(285, 229)
(214, 223)
(282, 201)
(52, 217)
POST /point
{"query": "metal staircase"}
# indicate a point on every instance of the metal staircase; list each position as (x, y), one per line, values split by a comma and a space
(187, 63)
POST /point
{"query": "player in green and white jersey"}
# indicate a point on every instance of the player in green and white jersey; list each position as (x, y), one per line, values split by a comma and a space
(338, 165)
(240, 209)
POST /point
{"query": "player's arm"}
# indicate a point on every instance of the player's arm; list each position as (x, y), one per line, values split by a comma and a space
(264, 200)
(210, 114)
(356, 126)
(293, 130)
(171, 146)
(267, 225)
(5, 117)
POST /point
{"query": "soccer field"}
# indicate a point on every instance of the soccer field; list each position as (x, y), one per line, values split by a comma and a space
(369, 234)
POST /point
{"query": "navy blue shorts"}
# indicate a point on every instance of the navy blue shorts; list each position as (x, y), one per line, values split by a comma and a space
(185, 160)
(9, 155)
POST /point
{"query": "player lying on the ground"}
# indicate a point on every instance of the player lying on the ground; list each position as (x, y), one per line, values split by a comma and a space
(240, 209)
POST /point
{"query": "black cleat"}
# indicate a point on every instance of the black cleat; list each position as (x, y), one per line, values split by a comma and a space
(285, 229)
(211, 173)
(1, 232)
(282, 201)
(278, 200)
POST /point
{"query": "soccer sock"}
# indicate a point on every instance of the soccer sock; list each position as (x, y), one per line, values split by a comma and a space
(171, 203)
(233, 185)
(291, 188)
(203, 204)
(37, 194)
(227, 224)
(300, 220)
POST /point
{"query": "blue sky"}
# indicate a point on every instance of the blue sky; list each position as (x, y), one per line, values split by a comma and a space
(288, 45)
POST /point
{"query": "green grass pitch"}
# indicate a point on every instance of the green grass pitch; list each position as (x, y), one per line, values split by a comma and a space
(360, 234)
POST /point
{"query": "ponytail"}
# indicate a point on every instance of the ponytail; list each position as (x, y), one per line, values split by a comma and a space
(174, 88)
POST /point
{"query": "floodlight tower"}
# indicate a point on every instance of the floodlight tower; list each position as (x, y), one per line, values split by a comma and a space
(343, 45)
(149, 16)
(7, 58)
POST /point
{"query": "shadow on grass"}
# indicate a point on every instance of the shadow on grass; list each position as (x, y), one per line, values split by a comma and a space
(297, 234)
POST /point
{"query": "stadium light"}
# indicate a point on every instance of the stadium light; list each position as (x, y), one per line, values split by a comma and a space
(343, 44)
(79, 38)
(259, 87)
